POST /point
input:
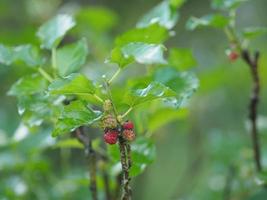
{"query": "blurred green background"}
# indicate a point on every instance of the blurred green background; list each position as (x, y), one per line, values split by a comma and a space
(206, 154)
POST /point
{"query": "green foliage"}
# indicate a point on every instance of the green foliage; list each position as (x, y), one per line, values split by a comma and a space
(143, 153)
(140, 45)
(56, 98)
(177, 3)
(213, 20)
(164, 116)
(26, 53)
(28, 85)
(149, 92)
(99, 19)
(183, 84)
(253, 32)
(144, 53)
(52, 32)
(181, 59)
(72, 84)
(74, 115)
(160, 34)
(69, 143)
(71, 58)
(226, 4)
(163, 14)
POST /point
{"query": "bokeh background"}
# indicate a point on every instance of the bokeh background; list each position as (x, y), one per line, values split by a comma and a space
(204, 154)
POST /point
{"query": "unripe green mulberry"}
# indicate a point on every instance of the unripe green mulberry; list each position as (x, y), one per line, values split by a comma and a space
(109, 122)
(107, 106)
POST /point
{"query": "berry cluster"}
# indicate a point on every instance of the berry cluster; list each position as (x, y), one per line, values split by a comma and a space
(111, 135)
(111, 126)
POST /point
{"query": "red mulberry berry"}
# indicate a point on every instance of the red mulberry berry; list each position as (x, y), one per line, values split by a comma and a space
(128, 125)
(233, 55)
(128, 135)
(111, 137)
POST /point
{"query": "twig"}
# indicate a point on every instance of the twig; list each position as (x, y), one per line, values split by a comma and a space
(45, 74)
(91, 157)
(127, 192)
(125, 154)
(128, 148)
(127, 112)
(252, 62)
(114, 76)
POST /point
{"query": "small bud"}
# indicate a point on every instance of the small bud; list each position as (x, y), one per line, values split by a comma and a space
(119, 118)
(128, 135)
(107, 106)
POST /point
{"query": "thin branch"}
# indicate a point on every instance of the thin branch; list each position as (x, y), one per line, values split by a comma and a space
(127, 192)
(127, 112)
(45, 74)
(114, 76)
(125, 151)
(91, 157)
(98, 98)
(252, 62)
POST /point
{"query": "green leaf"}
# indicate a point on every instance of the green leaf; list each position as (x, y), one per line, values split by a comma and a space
(143, 153)
(163, 14)
(182, 59)
(28, 85)
(253, 32)
(70, 58)
(99, 19)
(154, 34)
(74, 115)
(164, 116)
(6, 55)
(155, 90)
(117, 57)
(137, 43)
(212, 20)
(69, 143)
(141, 53)
(25, 53)
(74, 84)
(182, 83)
(37, 108)
(52, 32)
(177, 3)
(226, 4)
(144, 53)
